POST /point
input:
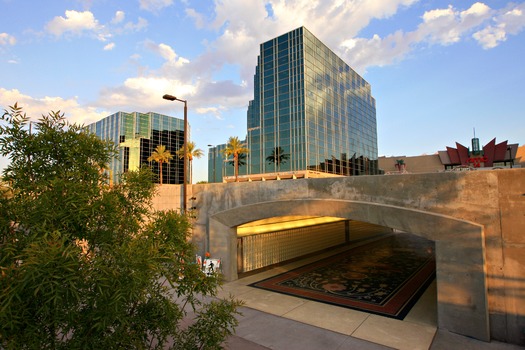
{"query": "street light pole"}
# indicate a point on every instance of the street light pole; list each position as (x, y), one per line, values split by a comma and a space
(185, 162)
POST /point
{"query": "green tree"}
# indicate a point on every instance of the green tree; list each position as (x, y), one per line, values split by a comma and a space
(277, 157)
(86, 265)
(160, 155)
(241, 160)
(192, 152)
(234, 148)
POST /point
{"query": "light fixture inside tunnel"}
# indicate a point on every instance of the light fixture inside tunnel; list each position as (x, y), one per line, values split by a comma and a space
(282, 223)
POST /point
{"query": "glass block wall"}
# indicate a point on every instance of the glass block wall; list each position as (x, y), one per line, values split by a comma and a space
(261, 250)
(137, 135)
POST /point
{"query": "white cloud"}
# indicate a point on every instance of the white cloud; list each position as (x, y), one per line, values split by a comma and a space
(204, 97)
(85, 23)
(362, 53)
(75, 22)
(448, 26)
(438, 27)
(36, 107)
(109, 47)
(7, 39)
(119, 17)
(104, 36)
(490, 37)
(135, 27)
(476, 10)
(215, 111)
(514, 19)
(168, 54)
(155, 5)
(511, 21)
(138, 92)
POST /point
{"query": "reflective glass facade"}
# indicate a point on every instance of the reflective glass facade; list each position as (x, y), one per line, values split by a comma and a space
(137, 135)
(219, 167)
(311, 105)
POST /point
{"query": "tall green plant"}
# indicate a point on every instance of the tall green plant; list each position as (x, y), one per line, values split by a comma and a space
(88, 265)
(192, 152)
(160, 155)
(241, 160)
(235, 147)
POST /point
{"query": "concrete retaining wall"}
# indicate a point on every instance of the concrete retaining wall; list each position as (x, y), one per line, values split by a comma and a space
(477, 220)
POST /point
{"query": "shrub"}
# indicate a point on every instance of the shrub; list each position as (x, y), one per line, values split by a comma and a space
(86, 265)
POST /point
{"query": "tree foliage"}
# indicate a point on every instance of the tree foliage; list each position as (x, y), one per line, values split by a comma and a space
(86, 265)
(235, 147)
(241, 160)
(191, 152)
(160, 155)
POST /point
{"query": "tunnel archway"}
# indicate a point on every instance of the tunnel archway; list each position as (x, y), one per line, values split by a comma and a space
(460, 251)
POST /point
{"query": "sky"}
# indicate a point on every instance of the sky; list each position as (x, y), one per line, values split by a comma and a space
(439, 70)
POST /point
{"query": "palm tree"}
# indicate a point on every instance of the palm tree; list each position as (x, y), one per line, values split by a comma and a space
(192, 152)
(277, 157)
(160, 155)
(241, 160)
(234, 148)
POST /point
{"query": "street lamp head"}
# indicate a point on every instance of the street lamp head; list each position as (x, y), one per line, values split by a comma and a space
(169, 97)
(173, 98)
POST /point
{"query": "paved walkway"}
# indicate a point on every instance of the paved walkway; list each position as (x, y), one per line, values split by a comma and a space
(259, 330)
(276, 321)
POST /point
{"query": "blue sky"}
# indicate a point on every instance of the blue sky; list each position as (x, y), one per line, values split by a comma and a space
(437, 69)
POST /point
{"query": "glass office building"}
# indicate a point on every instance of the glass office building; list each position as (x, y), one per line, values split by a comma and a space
(137, 135)
(310, 106)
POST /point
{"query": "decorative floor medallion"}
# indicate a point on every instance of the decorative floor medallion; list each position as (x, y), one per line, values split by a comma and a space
(384, 277)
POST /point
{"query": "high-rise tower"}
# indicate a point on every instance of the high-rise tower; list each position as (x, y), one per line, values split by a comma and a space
(137, 135)
(310, 107)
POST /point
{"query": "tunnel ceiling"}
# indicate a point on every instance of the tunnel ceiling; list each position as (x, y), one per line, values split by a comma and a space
(282, 223)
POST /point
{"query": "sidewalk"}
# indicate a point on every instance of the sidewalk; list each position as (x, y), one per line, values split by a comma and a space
(259, 331)
(277, 321)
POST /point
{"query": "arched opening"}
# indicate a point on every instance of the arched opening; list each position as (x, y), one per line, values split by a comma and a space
(460, 252)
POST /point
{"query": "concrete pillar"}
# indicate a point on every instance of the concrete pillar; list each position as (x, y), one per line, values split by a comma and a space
(461, 285)
(223, 245)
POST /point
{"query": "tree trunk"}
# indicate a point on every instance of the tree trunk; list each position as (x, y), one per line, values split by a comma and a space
(191, 171)
(160, 165)
(236, 166)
